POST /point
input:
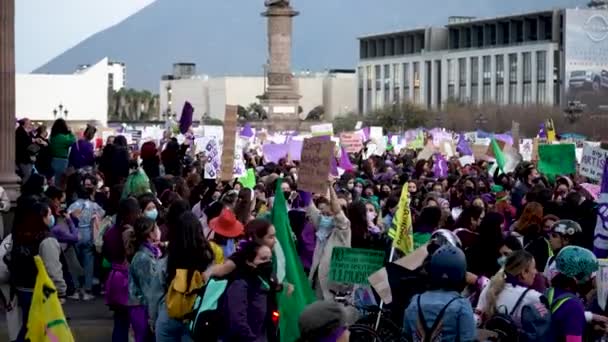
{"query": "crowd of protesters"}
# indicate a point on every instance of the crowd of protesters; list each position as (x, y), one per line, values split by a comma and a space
(137, 226)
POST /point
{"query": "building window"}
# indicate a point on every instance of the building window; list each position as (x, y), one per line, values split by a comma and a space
(396, 83)
(368, 96)
(360, 84)
(500, 79)
(451, 79)
(541, 76)
(462, 80)
(487, 77)
(475, 80)
(416, 74)
(387, 84)
(512, 78)
(406, 82)
(378, 88)
(527, 91)
(500, 93)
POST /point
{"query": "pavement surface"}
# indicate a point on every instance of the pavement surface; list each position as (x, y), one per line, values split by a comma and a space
(90, 321)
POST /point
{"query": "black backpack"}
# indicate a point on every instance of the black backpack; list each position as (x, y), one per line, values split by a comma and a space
(432, 334)
(206, 322)
(503, 324)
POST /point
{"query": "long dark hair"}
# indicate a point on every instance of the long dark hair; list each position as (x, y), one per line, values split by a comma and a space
(257, 229)
(135, 236)
(59, 127)
(128, 211)
(357, 214)
(188, 248)
(242, 209)
(28, 225)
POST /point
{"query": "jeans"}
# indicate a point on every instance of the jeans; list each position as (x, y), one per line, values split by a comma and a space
(169, 329)
(120, 333)
(59, 165)
(25, 301)
(84, 250)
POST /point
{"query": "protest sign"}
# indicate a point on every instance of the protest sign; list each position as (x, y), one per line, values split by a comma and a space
(447, 148)
(274, 152)
(376, 132)
(601, 279)
(415, 141)
(354, 265)
(556, 159)
(315, 165)
(230, 121)
(322, 129)
(525, 149)
(427, 152)
(352, 142)
(295, 149)
(212, 151)
(467, 160)
(592, 162)
(479, 151)
(213, 132)
(490, 150)
(359, 125)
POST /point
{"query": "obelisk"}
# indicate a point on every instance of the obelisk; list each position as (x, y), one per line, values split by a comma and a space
(280, 99)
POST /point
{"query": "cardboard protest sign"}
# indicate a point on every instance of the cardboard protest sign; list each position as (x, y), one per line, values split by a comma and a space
(352, 142)
(230, 126)
(592, 162)
(322, 129)
(479, 151)
(426, 152)
(354, 265)
(447, 148)
(556, 159)
(315, 165)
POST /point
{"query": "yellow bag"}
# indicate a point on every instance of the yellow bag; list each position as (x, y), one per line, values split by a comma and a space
(46, 321)
(218, 253)
(181, 294)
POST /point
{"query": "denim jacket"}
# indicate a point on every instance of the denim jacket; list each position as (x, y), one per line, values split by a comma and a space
(458, 320)
(144, 285)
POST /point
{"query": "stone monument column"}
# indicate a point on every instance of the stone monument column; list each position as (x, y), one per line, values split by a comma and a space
(8, 179)
(280, 99)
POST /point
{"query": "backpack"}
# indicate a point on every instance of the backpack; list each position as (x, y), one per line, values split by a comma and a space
(182, 294)
(433, 334)
(206, 321)
(503, 324)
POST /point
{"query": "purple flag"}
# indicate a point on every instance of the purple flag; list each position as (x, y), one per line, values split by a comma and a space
(600, 241)
(185, 121)
(345, 161)
(542, 133)
(247, 132)
(463, 146)
(440, 168)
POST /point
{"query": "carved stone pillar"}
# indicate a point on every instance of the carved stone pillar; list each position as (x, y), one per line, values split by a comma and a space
(281, 97)
(8, 179)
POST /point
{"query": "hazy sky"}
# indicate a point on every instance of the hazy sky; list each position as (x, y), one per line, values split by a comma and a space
(45, 28)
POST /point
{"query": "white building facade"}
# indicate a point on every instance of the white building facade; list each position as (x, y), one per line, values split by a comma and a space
(335, 91)
(79, 98)
(117, 75)
(512, 60)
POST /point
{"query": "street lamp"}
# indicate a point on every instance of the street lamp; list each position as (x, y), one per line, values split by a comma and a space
(481, 120)
(60, 111)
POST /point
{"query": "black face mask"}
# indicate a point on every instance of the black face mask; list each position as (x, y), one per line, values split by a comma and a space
(287, 194)
(469, 190)
(265, 269)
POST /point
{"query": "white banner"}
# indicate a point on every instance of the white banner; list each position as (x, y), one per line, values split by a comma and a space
(592, 162)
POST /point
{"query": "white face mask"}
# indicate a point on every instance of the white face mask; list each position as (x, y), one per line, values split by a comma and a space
(371, 215)
(99, 185)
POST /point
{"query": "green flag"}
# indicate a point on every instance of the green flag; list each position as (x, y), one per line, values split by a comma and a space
(290, 306)
(498, 155)
(248, 180)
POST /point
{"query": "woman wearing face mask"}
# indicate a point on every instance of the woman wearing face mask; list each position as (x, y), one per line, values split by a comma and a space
(148, 206)
(86, 212)
(509, 286)
(141, 249)
(332, 230)
(247, 314)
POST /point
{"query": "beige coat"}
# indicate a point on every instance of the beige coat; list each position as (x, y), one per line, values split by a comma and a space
(339, 237)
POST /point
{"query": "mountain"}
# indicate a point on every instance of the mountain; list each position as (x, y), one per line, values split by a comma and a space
(228, 37)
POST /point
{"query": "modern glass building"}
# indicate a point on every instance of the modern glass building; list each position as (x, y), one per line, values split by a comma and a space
(550, 57)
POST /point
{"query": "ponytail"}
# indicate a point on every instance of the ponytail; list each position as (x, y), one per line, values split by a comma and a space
(497, 284)
(129, 239)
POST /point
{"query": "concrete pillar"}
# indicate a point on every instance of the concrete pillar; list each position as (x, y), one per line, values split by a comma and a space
(457, 78)
(507, 69)
(364, 93)
(423, 79)
(401, 79)
(520, 78)
(8, 179)
(480, 80)
(411, 81)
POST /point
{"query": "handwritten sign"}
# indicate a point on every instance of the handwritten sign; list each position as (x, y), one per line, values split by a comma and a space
(526, 149)
(230, 123)
(315, 165)
(354, 265)
(592, 162)
(352, 142)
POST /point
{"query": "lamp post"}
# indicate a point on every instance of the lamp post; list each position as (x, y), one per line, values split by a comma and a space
(481, 120)
(60, 111)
